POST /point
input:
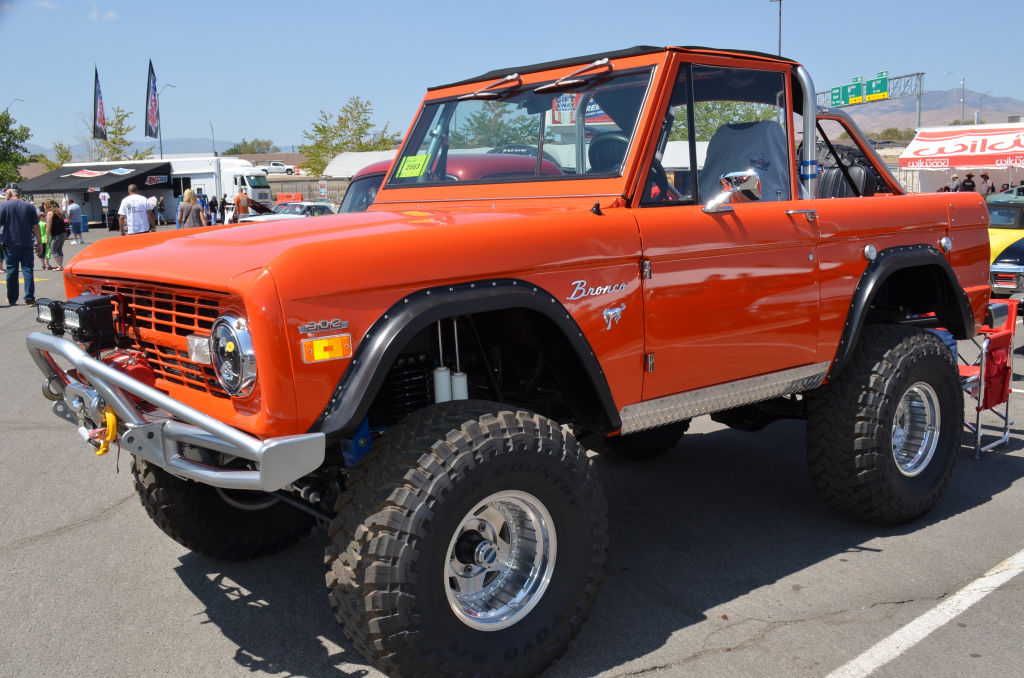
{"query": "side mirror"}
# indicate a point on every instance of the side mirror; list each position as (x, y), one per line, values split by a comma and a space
(747, 183)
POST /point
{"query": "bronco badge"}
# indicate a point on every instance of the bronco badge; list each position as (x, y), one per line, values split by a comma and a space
(317, 326)
(580, 290)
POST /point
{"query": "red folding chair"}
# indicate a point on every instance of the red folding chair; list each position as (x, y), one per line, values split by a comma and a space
(989, 378)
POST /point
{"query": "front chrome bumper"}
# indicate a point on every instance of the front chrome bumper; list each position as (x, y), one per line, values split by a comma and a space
(157, 436)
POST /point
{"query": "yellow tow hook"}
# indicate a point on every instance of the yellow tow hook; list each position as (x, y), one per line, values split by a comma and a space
(110, 435)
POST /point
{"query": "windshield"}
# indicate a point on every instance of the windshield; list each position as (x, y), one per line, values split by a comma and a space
(1005, 217)
(257, 180)
(360, 193)
(567, 130)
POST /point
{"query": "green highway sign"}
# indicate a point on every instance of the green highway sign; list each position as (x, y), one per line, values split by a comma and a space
(858, 91)
(854, 92)
(878, 88)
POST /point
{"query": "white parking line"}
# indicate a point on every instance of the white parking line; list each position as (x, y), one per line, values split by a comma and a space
(919, 629)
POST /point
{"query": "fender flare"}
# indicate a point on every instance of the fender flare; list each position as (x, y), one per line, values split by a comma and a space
(382, 343)
(955, 314)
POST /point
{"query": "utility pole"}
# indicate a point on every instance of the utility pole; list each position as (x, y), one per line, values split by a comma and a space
(977, 112)
(963, 92)
(780, 24)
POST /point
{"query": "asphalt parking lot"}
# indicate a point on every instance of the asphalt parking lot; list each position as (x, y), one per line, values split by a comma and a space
(723, 563)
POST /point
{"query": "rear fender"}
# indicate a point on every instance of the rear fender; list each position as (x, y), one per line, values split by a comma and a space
(951, 305)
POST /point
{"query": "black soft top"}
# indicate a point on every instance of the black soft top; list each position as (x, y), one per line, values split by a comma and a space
(616, 54)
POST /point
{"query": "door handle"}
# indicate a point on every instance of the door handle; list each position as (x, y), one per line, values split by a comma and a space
(812, 215)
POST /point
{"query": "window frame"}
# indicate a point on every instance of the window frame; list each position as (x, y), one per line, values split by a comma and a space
(687, 61)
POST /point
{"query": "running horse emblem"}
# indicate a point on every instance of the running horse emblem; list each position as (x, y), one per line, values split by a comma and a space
(613, 314)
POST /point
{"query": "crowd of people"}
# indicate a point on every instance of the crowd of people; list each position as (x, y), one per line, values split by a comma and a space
(986, 187)
(196, 209)
(28, 231)
(40, 230)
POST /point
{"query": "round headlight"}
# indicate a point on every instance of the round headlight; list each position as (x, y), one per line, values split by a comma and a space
(234, 360)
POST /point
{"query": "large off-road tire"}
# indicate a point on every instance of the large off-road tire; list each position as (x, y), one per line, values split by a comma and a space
(639, 446)
(884, 436)
(201, 519)
(470, 542)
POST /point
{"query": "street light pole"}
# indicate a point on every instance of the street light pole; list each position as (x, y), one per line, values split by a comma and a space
(12, 103)
(160, 127)
(780, 24)
(977, 113)
(963, 92)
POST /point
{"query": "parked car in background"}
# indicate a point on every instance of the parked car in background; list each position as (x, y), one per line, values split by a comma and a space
(501, 161)
(292, 210)
(1014, 194)
(1006, 242)
(364, 186)
(276, 167)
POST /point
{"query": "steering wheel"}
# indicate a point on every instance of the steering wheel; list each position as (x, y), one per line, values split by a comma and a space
(607, 151)
(657, 178)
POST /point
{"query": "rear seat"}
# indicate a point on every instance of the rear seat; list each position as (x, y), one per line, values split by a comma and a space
(833, 184)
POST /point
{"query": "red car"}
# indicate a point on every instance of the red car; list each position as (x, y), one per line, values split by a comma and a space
(497, 163)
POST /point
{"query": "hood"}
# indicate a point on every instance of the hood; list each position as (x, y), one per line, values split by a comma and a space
(214, 255)
(367, 249)
(1010, 254)
(1002, 238)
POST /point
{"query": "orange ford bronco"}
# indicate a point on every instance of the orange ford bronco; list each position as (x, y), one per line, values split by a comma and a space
(569, 256)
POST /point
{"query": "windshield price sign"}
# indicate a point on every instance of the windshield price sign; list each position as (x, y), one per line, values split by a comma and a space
(878, 87)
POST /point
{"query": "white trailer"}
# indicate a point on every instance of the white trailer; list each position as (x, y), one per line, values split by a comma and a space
(220, 177)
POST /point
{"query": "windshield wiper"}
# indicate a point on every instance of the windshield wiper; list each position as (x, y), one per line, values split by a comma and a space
(570, 81)
(485, 93)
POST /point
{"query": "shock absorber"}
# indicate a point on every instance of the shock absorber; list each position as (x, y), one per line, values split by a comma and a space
(460, 385)
(442, 376)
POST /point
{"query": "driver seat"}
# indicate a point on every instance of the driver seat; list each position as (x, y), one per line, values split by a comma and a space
(737, 147)
(606, 152)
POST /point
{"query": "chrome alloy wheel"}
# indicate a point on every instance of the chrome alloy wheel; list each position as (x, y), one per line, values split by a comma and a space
(915, 429)
(500, 560)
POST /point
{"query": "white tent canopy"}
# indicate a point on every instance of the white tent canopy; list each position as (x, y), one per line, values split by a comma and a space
(937, 153)
(345, 165)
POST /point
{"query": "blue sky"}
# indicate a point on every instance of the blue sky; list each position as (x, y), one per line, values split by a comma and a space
(266, 69)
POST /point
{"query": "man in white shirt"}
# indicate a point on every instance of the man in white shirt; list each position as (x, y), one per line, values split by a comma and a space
(74, 214)
(135, 214)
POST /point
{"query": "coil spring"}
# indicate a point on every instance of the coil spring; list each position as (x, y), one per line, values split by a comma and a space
(405, 390)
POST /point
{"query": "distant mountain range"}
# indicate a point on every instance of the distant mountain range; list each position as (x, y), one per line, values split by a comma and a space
(171, 147)
(937, 108)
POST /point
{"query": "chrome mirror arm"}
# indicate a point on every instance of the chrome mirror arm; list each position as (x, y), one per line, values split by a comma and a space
(748, 183)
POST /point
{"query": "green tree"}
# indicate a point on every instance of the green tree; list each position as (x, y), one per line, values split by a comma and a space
(894, 134)
(13, 153)
(496, 123)
(116, 146)
(348, 130)
(61, 152)
(257, 145)
(708, 116)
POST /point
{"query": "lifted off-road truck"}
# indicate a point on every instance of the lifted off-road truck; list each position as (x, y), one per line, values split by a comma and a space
(570, 256)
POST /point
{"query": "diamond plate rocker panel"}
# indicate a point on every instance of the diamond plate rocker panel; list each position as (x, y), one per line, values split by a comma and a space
(721, 397)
